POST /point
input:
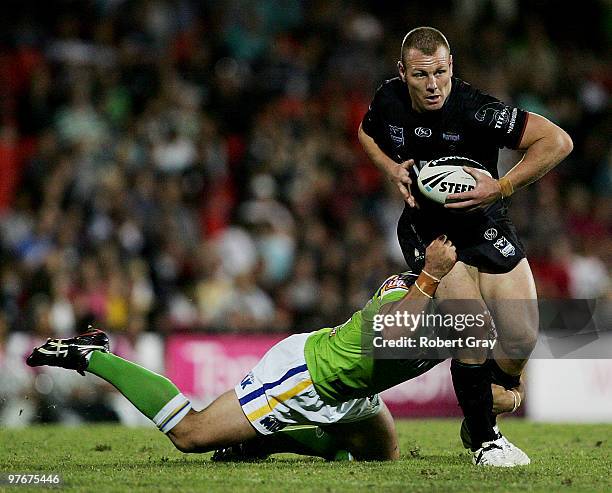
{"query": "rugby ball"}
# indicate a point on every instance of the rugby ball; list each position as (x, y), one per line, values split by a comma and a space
(444, 176)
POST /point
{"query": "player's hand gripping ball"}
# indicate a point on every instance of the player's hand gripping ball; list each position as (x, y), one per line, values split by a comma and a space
(444, 176)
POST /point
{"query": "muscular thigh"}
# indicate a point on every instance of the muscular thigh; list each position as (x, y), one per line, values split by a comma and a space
(459, 294)
(373, 438)
(512, 298)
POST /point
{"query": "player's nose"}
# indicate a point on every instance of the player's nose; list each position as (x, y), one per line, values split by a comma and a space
(431, 83)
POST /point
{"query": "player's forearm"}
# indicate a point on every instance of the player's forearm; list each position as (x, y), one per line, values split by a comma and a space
(376, 154)
(539, 159)
(424, 287)
(413, 303)
(547, 148)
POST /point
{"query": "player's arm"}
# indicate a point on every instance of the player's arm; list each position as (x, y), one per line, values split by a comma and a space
(545, 145)
(397, 173)
(507, 400)
(440, 257)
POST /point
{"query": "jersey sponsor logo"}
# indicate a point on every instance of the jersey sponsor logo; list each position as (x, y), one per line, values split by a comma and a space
(422, 132)
(397, 135)
(505, 247)
(512, 121)
(490, 234)
(394, 282)
(451, 136)
(398, 281)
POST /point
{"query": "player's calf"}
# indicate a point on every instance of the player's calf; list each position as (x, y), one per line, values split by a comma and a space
(220, 424)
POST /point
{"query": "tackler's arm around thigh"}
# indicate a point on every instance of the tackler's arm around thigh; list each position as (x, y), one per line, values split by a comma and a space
(440, 257)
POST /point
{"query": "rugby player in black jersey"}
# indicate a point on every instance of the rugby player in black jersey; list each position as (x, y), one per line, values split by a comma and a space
(427, 113)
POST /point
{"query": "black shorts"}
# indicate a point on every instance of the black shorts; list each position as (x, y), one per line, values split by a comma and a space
(487, 241)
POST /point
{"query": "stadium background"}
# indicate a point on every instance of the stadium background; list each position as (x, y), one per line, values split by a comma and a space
(186, 175)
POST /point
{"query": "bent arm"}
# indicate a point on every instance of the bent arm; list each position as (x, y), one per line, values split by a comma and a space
(397, 173)
(414, 302)
(375, 153)
(545, 145)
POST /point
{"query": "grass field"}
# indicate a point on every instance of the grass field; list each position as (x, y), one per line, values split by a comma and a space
(112, 458)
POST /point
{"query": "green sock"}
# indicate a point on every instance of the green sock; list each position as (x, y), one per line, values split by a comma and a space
(303, 440)
(154, 395)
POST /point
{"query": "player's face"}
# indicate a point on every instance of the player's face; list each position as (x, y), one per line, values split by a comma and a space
(428, 78)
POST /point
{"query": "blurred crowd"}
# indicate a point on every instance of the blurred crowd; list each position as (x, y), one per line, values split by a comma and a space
(181, 165)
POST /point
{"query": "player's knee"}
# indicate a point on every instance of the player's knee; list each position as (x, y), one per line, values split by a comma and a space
(520, 347)
(184, 443)
(183, 435)
(394, 454)
(183, 440)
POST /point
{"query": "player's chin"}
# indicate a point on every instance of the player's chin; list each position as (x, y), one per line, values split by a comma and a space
(434, 102)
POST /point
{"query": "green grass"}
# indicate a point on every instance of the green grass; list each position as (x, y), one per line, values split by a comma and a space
(566, 458)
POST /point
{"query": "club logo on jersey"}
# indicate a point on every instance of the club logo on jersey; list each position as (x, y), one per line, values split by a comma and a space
(505, 247)
(422, 132)
(490, 234)
(502, 117)
(496, 113)
(397, 135)
(451, 136)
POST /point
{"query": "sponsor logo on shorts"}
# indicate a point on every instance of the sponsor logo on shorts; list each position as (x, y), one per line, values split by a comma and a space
(505, 247)
(397, 135)
(271, 424)
(422, 132)
(248, 380)
(490, 234)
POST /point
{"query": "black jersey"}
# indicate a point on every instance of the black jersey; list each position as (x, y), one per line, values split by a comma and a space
(470, 124)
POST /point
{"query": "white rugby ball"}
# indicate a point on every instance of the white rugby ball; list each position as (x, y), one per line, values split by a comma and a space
(444, 176)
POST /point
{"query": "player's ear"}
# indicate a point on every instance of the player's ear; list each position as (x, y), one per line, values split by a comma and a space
(401, 70)
(450, 64)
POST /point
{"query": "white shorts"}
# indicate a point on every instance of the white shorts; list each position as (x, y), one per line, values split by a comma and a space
(278, 392)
